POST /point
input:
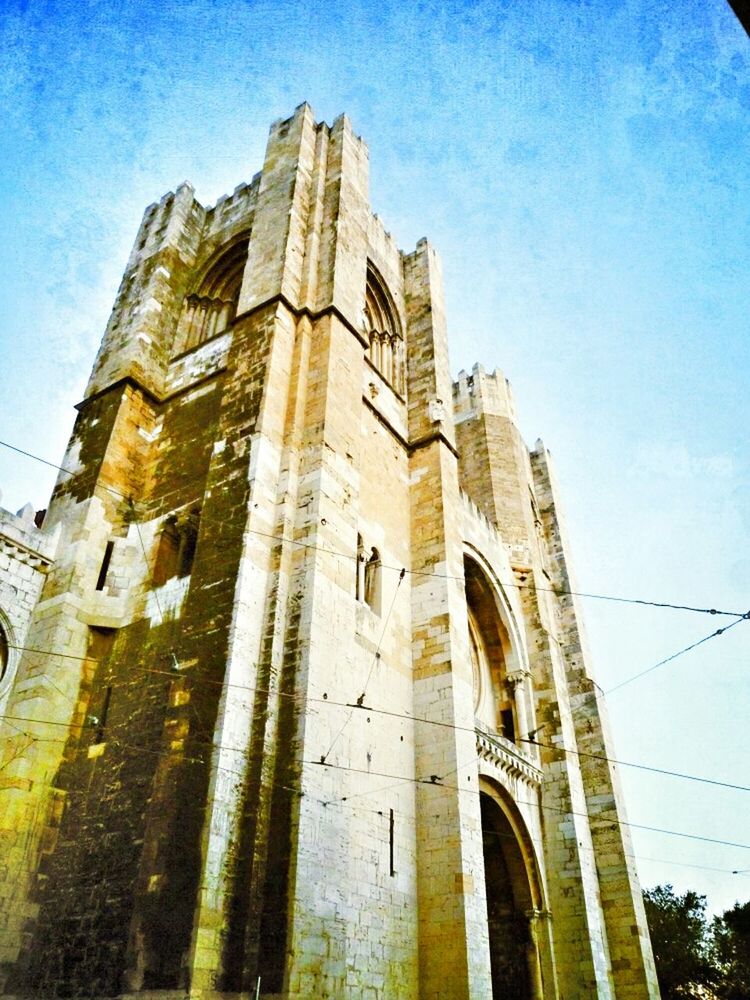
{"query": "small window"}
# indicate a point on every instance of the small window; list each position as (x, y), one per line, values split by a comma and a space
(372, 581)
(188, 541)
(176, 549)
(104, 569)
(167, 554)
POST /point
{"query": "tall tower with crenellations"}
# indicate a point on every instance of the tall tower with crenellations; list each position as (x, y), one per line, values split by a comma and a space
(301, 706)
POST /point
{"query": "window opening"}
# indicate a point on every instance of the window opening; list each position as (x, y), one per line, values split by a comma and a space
(188, 541)
(508, 724)
(102, 718)
(385, 342)
(176, 550)
(372, 581)
(359, 585)
(102, 578)
(167, 554)
(212, 307)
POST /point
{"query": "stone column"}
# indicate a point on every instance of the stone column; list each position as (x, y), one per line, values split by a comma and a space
(518, 681)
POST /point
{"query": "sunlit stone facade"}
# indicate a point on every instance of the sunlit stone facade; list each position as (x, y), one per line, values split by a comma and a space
(289, 712)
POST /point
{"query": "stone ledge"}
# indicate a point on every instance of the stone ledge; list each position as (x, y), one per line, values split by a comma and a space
(507, 757)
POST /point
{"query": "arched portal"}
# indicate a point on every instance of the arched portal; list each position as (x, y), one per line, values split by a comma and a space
(511, 904)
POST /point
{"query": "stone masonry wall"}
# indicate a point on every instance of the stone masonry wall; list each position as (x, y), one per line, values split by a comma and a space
(496, 472)
(632, 962)
(249, 765)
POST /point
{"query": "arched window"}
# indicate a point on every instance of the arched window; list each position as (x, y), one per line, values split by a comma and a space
(176, 548)
(383, 330)
(210, 309)
(372, 581)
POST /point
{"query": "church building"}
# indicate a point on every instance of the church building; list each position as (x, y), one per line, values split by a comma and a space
(296, 701)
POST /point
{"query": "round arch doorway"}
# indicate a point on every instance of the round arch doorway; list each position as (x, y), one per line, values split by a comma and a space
(514, 960)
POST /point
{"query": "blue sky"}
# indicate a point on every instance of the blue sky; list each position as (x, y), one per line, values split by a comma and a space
(580, 166)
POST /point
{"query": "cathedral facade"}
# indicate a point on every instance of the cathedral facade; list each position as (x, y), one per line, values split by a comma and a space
(296, 702)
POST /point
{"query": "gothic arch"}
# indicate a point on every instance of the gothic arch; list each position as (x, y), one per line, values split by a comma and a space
(497, 655)
(517, 648)
(383, 331)
(212, 305)
(515, 898)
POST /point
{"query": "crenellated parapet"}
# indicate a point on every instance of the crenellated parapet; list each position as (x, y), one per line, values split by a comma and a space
(482, 392)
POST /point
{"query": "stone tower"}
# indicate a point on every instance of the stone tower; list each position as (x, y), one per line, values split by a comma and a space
(303, 706)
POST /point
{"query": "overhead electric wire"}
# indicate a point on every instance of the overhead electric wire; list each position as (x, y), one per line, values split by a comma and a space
(103, 486)
(558, 591)
(358, 810)
(680, 652)
(639, 767)
(301, 697)
(436, 779)
(433, 779)
(60, 468)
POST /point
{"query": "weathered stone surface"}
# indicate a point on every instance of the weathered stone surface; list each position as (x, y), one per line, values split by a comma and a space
(282, 642)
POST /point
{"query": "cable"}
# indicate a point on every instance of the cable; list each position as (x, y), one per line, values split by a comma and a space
(60, 468)
(558, 591)
(376, 657)
(519, 585)
(681, 652)
(301, 698)
(433, 779)
(640, 767)
(379, 812)
(145, 560)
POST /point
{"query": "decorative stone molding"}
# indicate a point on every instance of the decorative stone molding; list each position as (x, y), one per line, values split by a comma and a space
(507, 758)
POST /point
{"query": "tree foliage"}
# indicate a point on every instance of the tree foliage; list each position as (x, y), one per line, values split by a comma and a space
(695, 958)
(731, 945)
(679, 938)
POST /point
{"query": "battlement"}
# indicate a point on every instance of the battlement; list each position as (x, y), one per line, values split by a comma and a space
(234, 208)
(22, 533)
(342, 123)
(481, 392)
(380, 237)
(163, 222)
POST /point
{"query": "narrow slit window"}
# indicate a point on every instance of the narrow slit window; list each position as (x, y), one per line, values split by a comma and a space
(188, 540)
(168, 553)
(102, 578)
(4, 652)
